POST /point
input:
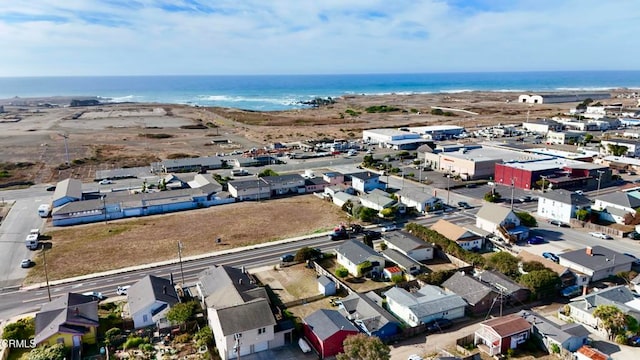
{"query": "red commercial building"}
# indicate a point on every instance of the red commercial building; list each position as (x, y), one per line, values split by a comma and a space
(560, 173)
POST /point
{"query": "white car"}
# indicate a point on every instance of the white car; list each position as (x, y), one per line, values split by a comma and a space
(579, 192)
(600, 235)
(94, 294)
(122, 290)
(389, 228)
(414, 357)
(105, 182)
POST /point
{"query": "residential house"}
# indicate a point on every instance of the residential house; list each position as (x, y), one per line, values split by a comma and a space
(561, 205)
(366, 181)
(427, 304)
(467, 239)
(67, 190)
(333, 189)
(187, 164)
(333, 178)
(614, 206)
(481, 298)
(252, 189)
(407, 264)
(206, 182)
(353, 254)
(581, 308)
(496, 336)
(512, 292)
(409, 245)
(368, 315)
(149, 300)
(589, 353)
(632, 147)
(377, 199)
(569, 336)
(340, 198)
(285, 184)
(71, 320)
(501, 221)
(315, 184)
(326, 330)
(597, 262)
(239, 312)
(423, 202)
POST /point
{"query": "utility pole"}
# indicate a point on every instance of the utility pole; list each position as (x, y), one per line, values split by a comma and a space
(543, 177)
(600, 172)
(513, 187)
(46, 273)
(66, 146)
(180, 259)
(104, 207)
(448, 188)
(236, 347)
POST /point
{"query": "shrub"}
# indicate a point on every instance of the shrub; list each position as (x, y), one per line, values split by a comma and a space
(133, 342)
(527, 219)
(436, 277)
(397, 278)
(20, 330)
(342, 272)
(182, 338)
(204, 336)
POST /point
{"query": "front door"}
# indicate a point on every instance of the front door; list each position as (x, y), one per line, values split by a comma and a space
(77, 341)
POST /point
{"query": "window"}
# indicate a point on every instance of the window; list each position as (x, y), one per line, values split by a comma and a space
(262, 331)
(145, 318)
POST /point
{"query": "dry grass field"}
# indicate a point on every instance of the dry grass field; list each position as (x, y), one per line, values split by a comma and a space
(291, 283)
(99, 247)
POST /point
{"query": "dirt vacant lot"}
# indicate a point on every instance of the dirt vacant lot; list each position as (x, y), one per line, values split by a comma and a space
(291, 283)
(98, 247)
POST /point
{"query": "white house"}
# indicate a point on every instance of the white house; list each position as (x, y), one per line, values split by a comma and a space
(425, 305)
(501, 221)
(377, 199)
(352, 253)
(561, 205)
(633, 147)
(149, 300)
(409, 245)
(614, 206)
(366, 181)
(419, 200)
(467, 239)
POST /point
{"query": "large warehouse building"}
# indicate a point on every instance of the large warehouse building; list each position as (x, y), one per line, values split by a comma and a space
(437, 132)
(393, 139)
(560, 173)
(559, 97)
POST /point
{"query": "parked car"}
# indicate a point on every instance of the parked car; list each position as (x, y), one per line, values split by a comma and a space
(634, 235)
(105, 182)
(27, 263)
(287, 258)
(51, 188)
(526, 198)
(535, 240)
(600, 235)
(551, 256)
(372, 234)
(439, 325)
(464, 205)
(636, 261)
(391, 227)
(356, 228)
(579, 192)
(122, 290)
(571, 291)
(558, 223)
(414, 357)
(96, 295)
(634, 340)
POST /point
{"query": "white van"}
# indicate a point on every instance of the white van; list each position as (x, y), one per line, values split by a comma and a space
(32, 242)
(44, 210)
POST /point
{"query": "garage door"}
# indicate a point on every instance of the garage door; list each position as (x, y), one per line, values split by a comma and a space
(261, 346)
(245, 350)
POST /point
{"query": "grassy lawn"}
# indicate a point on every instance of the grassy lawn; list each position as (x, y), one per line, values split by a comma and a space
(86, 249)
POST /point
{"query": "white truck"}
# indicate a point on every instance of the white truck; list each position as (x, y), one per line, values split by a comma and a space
(32, 242)
(44, 210)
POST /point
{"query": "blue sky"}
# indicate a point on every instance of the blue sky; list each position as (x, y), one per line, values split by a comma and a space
(173, 37)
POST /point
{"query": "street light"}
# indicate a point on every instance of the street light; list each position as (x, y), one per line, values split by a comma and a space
(600, 172)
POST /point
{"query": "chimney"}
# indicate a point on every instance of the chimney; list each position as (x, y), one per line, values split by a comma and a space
(584, 290)
(239, 281)
(589, 250)
(164, 290)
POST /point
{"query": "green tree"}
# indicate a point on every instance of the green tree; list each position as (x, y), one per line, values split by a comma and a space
(582, 214)
(306, 253)
(342, 272)
(587, 138)
(363, 266)
(398, 278)
(617, 150)
(526, 219)
(23, 329)
(53, 352)
(529, 266)
(267, 172)
(204, 336)
(505, 263)
(366, 214)
(611, 318)
(542, 283)
(492, 196)
(555, 348)
(113, 337)
(347, 206)
(363, 347)
(388, 213)
(180, 313)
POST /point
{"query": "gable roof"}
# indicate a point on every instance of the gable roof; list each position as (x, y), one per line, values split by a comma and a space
(427, 301)
(223, 286)
(405, 241)
(324, 323)
(471, 290)
(592, 353)
(284, 179)
(148, 290)
(251, 315)
(70, 313)
(259, 183)
(499, 281)
(399, 258)
(68, 188)
(493, 212)
(566, 197)
(618, 296)
(508, 325)
(363, 310)
(380, 198)
(202, 180)
(601, 258)
(552, 331)
(452, 231)
(356, 251)
(621, 198)
(416, 195)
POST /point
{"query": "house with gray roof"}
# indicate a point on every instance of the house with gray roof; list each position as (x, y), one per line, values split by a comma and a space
(366, 181)
(581, 308)
(424, 305)
(71, 319)
(237, 305)
(187, 164)
(597, 262)
(341, 197)
(561, 205)
(511, 291)
(501, 221)
(407, 264)
(250, 189)
(326, 330)
(365, 313)
(422, 201)
(409, 245)
(149, 300)
(67, 190)
(352, 253)
(377, 199)
(570, 336)
(614, 206)
(480, 297)
(289, 184)
(206, 183)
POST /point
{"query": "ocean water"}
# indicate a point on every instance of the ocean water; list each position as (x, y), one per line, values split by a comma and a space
(281, 92)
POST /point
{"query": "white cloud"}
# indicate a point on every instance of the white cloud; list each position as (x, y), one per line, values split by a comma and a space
(111, 37)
